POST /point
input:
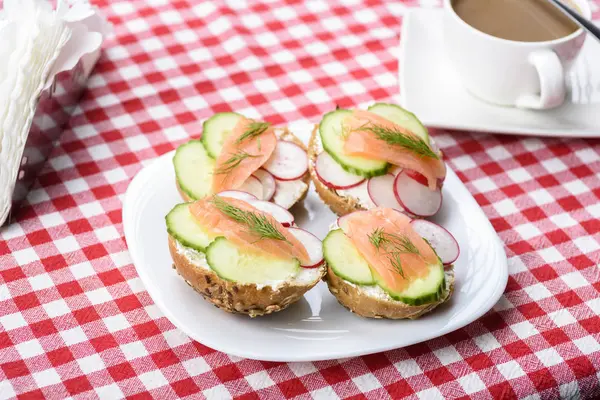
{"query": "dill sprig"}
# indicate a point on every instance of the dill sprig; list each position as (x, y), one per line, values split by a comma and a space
(393, 246)
(396, 264)
(377, 237)
(396, 137)
(254, 129)
(257, 224)
(392, 242)
(232, 162)
(404, 245)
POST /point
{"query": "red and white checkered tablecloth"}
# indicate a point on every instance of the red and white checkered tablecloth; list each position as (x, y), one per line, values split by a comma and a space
(76, 321)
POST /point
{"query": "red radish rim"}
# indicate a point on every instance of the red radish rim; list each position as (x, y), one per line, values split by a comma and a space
(419, 177)
(404, 205)
(335, 187)
(399, 170)
(448, 232)
(290, 179)
(299, 176)
(330, 184)
(416, 176)
(317, 264)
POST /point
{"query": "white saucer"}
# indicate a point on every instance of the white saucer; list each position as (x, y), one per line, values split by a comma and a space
(316, 327)
(430, 89)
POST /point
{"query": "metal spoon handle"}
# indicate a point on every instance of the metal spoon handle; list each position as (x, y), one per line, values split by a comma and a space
(575, 16)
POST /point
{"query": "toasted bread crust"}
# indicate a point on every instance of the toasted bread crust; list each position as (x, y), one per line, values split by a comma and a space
(285, 135)
(235, 297)
(338, 204)
(355, 300)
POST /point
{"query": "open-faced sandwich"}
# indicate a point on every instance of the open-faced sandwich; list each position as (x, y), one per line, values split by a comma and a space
(243, 255)
(383, 264)
(381, 157)
(237, 153)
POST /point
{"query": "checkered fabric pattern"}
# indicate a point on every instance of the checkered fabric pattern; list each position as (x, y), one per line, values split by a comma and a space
(75, 320)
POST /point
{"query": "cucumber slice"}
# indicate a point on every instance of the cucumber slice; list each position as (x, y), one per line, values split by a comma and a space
(400, 116)
(216, 129)
(330, 130)
(233, 264)
(421, 291)
(183, 227)
(345, 260)
(193, 169)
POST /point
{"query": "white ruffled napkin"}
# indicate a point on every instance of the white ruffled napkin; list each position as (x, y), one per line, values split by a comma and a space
(36, 43)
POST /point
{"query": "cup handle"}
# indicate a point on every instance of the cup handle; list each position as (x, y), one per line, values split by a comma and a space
(552, 82)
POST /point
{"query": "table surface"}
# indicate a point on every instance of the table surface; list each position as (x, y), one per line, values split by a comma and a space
(76, 321)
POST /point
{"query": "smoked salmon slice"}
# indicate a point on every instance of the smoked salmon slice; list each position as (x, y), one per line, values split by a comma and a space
(385, 238)
(209, 213)
(362, 141)
(242, 154)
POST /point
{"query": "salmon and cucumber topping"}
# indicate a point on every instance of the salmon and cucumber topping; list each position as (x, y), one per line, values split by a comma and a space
(242, 154)
(384, 256)
(243, 254)
(382, 156)
(252, 226)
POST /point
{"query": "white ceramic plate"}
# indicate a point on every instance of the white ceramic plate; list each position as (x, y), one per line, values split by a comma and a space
(317, 327)
(430, 89)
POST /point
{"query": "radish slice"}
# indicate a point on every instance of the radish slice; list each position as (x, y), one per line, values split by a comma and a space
(237, 194)
(268, 183)
(312, 244)
(416, 198)
(417, 177)
(281, 215)
(288, 162)
(333, 175)
(253, 186)
(442, 241)
(381, 191)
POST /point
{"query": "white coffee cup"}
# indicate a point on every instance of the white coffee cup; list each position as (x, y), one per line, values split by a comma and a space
(511, 73)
